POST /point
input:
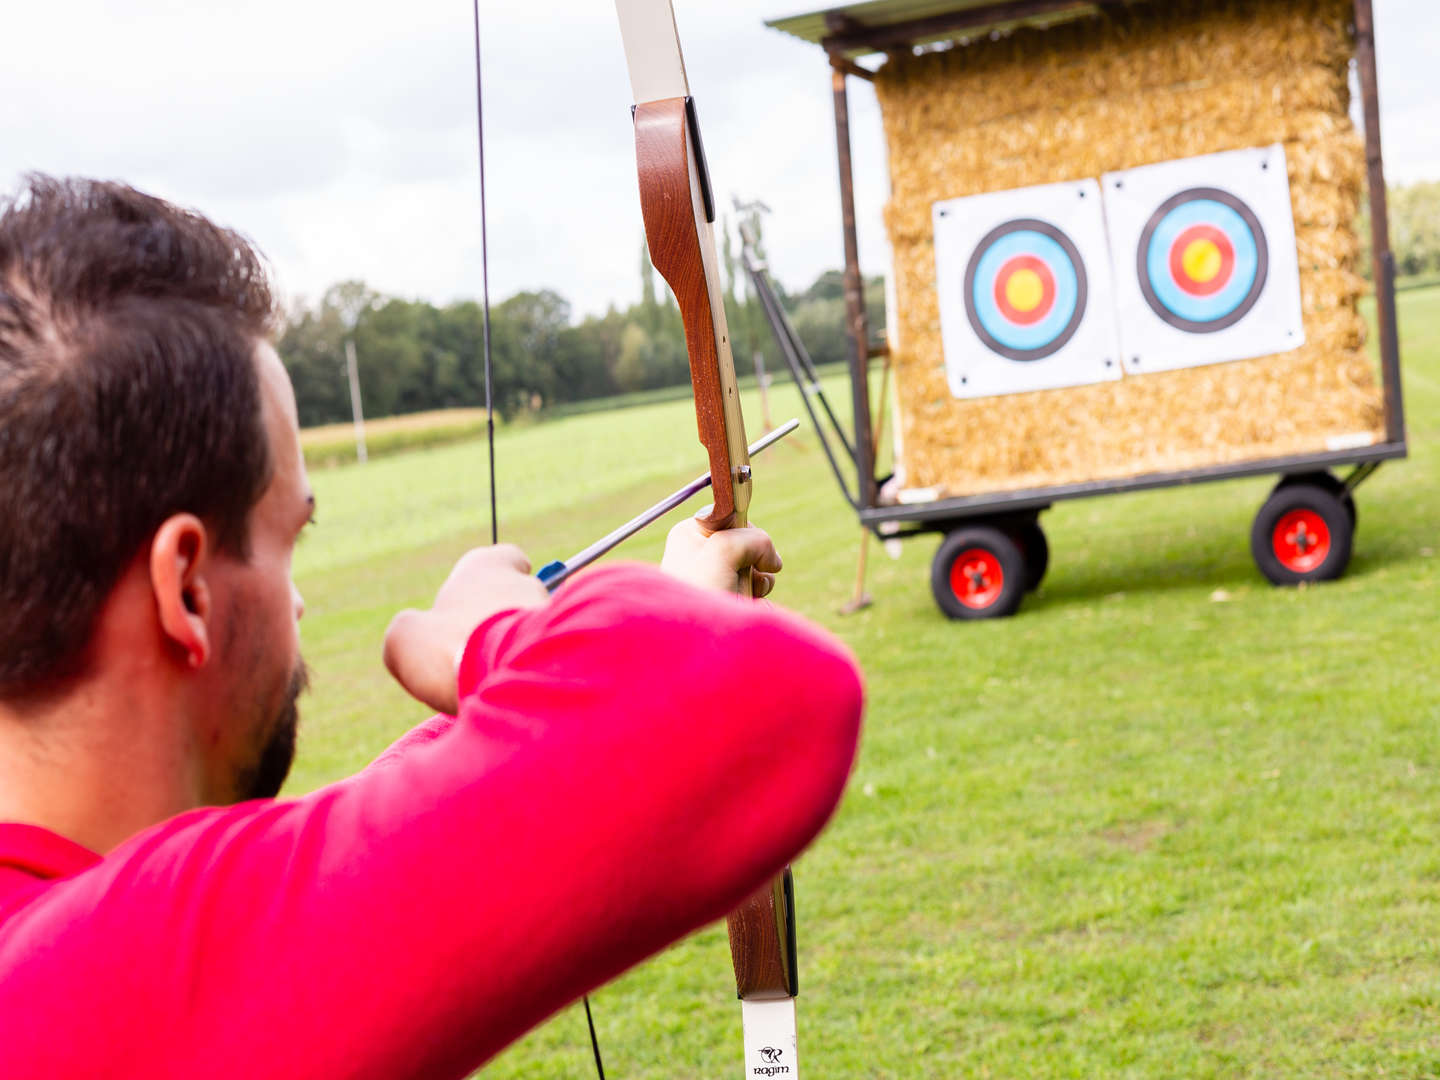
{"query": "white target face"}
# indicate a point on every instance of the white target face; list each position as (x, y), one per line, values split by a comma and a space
(1204, 253)
(1025, 290)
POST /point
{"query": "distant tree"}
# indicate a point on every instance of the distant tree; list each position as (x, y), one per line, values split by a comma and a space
(828, 286)
(459, 341)
(415, 356)
(586, 356)
(525, 332)
(1414, 211)
(351, 300)
(819, 316)
(633, 368)
(397, 358)
(1416, 228)
(649, 303)
(312, 347)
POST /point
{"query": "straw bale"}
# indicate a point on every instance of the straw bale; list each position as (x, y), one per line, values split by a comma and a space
(1148, 84)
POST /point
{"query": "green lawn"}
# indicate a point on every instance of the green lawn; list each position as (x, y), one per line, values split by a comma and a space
(1167, 822)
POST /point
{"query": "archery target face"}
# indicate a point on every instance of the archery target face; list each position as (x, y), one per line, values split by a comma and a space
(1205, 256)
(1024, 283)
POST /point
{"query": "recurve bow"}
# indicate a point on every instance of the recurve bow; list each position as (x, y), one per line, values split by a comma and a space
(679, 209)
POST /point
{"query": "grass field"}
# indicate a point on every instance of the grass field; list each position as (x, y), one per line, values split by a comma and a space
(1167, 822)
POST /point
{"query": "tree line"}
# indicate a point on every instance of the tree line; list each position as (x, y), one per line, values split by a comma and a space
(414, 356)
(1414, 212)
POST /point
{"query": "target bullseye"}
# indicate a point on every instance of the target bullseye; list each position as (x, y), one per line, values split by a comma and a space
(1025, 289)
(1202, 260)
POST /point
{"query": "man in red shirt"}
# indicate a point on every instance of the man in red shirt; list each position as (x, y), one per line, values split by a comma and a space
(588, 794)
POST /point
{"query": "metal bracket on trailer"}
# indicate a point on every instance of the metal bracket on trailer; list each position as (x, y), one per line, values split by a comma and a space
(1358, 476)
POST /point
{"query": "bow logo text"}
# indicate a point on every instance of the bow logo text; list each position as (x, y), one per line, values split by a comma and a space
(772, 1066)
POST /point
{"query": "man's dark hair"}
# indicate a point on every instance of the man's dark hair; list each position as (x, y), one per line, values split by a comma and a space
(128, 393)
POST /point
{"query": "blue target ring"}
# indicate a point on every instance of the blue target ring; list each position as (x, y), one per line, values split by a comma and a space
(1044, 252)
(1182, 303)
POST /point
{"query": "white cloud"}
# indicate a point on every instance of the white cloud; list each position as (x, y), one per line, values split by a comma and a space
(341, 136)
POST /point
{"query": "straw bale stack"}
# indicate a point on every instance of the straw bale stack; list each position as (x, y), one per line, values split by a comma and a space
(1148, 84)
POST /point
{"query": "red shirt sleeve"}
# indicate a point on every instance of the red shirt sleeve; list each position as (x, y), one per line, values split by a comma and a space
(629, 763)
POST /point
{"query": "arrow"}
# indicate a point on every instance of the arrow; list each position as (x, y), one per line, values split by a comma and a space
(554, 574)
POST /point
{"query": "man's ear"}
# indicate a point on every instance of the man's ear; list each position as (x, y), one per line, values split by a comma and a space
(180, 559)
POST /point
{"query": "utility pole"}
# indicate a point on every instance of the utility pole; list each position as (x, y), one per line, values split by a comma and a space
(353, 370)
(749, 224)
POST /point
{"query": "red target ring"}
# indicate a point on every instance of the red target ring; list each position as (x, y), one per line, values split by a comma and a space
(1202, 260)
(1024, 290)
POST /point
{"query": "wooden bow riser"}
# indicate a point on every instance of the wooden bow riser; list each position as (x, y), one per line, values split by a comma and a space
(683, 251)
(762, 942)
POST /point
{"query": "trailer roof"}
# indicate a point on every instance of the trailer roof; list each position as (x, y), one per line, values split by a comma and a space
(878, 25)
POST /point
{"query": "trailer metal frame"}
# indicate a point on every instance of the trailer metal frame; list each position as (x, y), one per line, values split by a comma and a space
(844, 37)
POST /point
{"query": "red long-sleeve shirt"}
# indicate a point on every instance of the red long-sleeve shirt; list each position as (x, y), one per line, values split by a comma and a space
(629, 763)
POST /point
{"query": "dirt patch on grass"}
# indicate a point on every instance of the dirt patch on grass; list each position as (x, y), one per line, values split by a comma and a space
(1137, 836)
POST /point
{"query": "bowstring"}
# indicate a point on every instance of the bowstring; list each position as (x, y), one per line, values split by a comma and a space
(489, 380)
(485, 279)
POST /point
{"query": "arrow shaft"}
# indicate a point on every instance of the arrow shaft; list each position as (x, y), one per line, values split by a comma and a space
(611, 540)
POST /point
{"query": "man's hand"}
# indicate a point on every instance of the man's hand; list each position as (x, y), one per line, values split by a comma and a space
(422, 647)
(714, 560)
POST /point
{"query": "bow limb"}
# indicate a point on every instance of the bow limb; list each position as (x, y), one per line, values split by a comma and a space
(678, 209)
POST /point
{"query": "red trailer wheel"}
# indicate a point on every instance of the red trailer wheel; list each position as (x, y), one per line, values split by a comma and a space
(1301, 540)
(978, 573)
(976, 578)
(1303, 533)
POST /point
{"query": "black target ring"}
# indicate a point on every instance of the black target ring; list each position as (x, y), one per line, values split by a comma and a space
(1081, 290)
(1143, 259)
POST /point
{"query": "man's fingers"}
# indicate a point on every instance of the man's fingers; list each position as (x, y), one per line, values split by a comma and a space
(769, 561)
(761, 584)
(498, 556)
(715, 560)
(750, 547)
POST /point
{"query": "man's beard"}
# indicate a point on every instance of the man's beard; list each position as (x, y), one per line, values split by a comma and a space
(265, 779)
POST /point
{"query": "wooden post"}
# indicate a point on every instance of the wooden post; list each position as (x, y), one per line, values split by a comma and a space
(353, 370)
(854, 301)
(762, 379)
(861, 599)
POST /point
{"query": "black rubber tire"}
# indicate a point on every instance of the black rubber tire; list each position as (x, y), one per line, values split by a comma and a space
(1331, 483)
(1036, 549)
(1302, 496)
(1005, 553)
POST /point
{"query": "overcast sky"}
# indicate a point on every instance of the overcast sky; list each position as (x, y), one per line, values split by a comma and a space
(341, 137)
